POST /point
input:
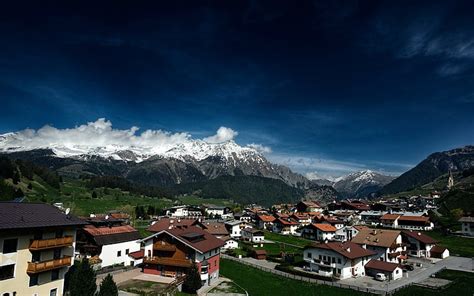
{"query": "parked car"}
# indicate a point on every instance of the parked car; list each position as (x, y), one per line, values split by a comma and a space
(408, 267)
(380, 277)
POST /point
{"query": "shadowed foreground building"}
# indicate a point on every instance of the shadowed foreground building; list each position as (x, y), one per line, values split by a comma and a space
(36, 248)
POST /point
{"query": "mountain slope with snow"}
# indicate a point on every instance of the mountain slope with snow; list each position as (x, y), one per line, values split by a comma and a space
(361, 184)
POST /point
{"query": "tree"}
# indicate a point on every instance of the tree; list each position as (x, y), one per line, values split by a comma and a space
(457, 213)
(108, 287)
(30, 186)
(16, 177)
(94, 194)
(192, 283)
(151, 210)
(82, 280)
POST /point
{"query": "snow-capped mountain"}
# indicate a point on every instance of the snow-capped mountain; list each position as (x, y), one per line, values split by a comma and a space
(361, 184)
(187, 161)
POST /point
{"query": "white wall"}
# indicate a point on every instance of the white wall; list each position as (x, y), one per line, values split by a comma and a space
(109, 253)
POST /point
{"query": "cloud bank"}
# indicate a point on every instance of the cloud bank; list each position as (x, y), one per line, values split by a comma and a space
(100, 133)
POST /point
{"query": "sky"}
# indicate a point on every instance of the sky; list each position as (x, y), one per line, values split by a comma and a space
(325, 87)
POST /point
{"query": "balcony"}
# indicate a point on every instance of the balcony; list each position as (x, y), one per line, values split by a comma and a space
(164, 247)
(323, 263)
(43, 244)
(37, 267)
(168, 261)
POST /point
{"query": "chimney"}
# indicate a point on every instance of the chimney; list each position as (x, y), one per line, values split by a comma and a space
(348, 250)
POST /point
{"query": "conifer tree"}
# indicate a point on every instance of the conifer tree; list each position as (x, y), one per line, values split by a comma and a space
(108, 287)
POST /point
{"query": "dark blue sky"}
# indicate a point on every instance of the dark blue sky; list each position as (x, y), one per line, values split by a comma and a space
(330, 86)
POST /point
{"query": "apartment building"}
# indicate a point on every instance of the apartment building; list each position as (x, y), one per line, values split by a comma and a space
(37, 244)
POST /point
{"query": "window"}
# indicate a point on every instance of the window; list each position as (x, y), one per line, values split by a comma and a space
(119, 253)
(10, 245)
(333, 259)
(55, 274)
(339, 260)
(53, 292)
(33, 280)
(320, 257)
(7, 271)
(309, 255)
(59, 233)
(35, 256)
(57, 253)
(127, 251)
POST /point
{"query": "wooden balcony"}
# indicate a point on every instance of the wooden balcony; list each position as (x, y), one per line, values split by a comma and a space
(37, 267)
(168, 261)
(164, 247)
(43, 244)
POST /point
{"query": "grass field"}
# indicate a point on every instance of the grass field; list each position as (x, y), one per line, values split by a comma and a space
(258, 282)
(462, 285)
(456, 245)
(197, 201)
(288, 239)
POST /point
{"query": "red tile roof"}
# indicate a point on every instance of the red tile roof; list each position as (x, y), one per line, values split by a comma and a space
(266, 218)
(216, 228)
(165, 223)
(414, 218)
(137, 255)
(390, 217)
(325, 227)
(286, 222)
(437, 250)
(96, 231)
(419, 236)
(381, 265)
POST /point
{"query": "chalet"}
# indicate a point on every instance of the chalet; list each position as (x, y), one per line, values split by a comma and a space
(171, 252)
(338, 224)
(346, 233)
(319, 232)
(389, 220)
(183, 212)
(467, 226)
(398, 221)
(230, 243)
(387, 244)
(265, 221)
(253, 235)
(218, 212)
(420, 244)
(392, 271)
(109, 242)
(355, 205)
(308, 206)
(336, 259)
(217, 229)
(302, 218)
(285, 227)
(36, 248)
(371, 217)
(234, 228)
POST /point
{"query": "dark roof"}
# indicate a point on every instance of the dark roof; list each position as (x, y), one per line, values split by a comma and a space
(381, 265)
(347, 249)
(112, 235)
(14, 215)
(165, 223)
(260, 252)
(216, 228)
(419, 236)
(437, 250)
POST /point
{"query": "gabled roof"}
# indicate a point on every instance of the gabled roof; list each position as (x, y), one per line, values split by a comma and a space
(437, 250)
(347, 249)
(253, 231)
(137, 255)
(216, 228)
(324, 227)
(414, 218)
(419, 236)
(112, 235)
(165, 223)
(14, 215)
(376, 237)
(286, 222)
(390, 217)
(265, 218)
(203, 243)
(381, 265)
(310, 203)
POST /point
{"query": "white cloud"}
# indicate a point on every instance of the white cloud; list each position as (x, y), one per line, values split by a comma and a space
(223, 134)
(260, 148)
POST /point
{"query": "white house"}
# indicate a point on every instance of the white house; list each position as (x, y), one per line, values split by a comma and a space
(285, 227)
(222, 212)
(347, 232)
(387, 244)
(234, 228)
(265, 221)
(398, 221)
(230, 243)
(112, 244)
(252, 235)
(467, 226)
(336, 259)
(183, 212)
(319, 232)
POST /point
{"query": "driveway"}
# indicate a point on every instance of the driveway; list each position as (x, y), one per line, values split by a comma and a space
(263, 263)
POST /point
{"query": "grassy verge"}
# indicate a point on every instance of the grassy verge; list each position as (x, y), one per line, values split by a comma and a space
(258, 282)
(287, 239)
(456, 245)
(462, 285)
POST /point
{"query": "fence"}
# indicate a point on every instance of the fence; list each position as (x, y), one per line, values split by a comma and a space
(316, 281)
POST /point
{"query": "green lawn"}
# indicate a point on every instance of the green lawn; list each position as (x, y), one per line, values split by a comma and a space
(301, 242)
(258, 282)
(456, 245)
(462, 285)
(197, 201)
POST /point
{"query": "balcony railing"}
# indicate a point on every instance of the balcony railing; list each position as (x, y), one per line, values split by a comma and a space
(323, 263)
(37, 267)
(163, 247)
(168, 261)
(42, 244)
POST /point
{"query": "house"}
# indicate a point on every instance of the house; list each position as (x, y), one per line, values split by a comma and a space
(467, 226)
(419, 244)
(389, 220)
(265, 221)
(336, 259)
(246, 217)
(252, 235)
(371, 217)
(392, 271)
(406, 222)
(260, 254)
(308, 206)
(346, 233)
(387, 244)
(110, 241)
(302, 218)
(172, 251)
(234, 228)
(218, 212)
(217, 229)
(319, 232)
(355, 205)
(230, 243)
(285, 227)
(338, 224)
(36, 248)
(183, 212)
(439, 252)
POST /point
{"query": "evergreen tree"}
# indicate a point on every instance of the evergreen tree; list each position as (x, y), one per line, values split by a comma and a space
(30, 186)
(82, 280)
(151, 210)
(192, 283)
(108, 287)
(16, 177)
(94, 194)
